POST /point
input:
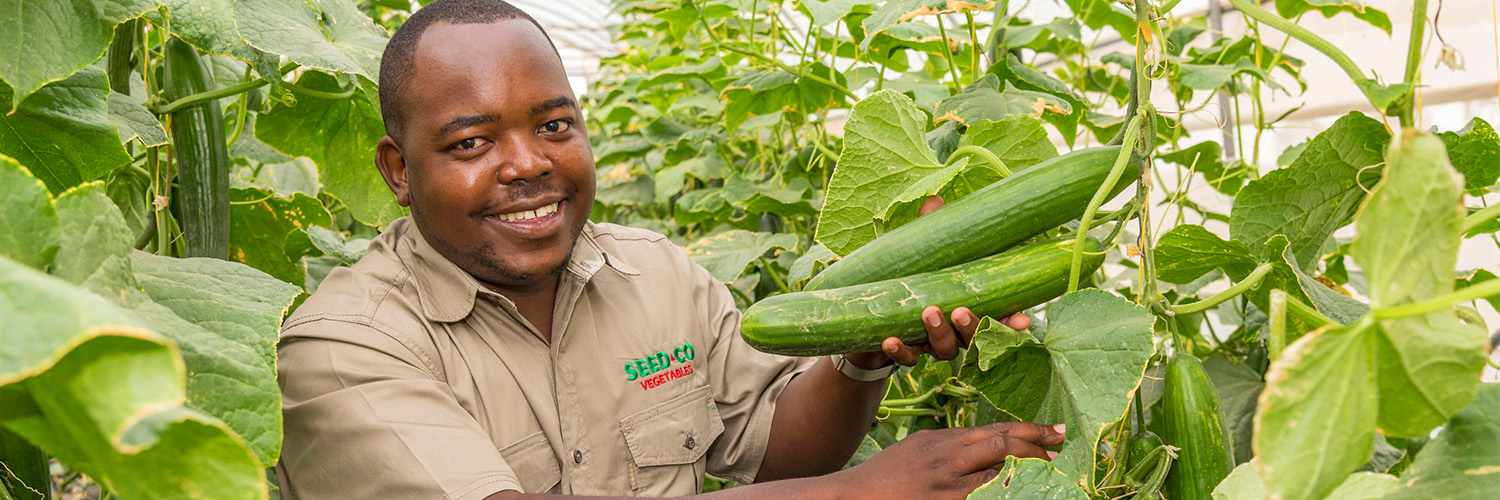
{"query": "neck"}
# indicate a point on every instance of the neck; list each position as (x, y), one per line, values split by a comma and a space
(534, 302)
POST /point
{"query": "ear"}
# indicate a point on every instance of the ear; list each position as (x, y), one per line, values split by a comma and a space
(393, 168)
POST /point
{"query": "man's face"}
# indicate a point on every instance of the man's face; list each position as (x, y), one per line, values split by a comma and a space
(495, 163)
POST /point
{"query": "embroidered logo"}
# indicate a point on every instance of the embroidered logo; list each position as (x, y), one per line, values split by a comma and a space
(656, 369)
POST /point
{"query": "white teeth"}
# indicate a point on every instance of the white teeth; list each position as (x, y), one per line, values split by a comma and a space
(528, 214)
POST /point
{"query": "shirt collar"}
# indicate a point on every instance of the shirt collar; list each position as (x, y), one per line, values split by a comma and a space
(448, 292)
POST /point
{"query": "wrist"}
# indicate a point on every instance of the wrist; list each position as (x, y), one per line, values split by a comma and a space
(869, 360)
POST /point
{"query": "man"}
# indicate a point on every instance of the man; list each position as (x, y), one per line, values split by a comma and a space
(498, 345)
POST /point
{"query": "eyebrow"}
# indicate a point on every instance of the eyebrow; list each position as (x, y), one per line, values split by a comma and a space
(465, 121)
(554, 103)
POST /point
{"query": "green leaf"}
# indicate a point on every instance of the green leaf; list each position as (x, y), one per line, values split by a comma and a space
(1095, 350)
(809, 264)
(209, 25)
(260, 223)
(1384, 97)
(1239, 387)
(292, 176)
(1463, 461)
(1317, 194)
(867, 448)
(1407, 243)
(991, 99)
(826, 12)
(1190, 251)
(1316, 421)
(28, 475)
(709, 71)
(1475, 152)
(1029, 479)
(884, 152)
(726, 254)
(1290, 9)
(225, 316)
(1207, 158)
(49, 41)
(91, 228)
(795, 198)
(961, 176)
(1097, 14)
(329, 242)
(129, 114)
(338, 136)
(766, 92)
(1214, 76)
(28, 231)
(63, 133)
(1018, 140)
(87, 383)
(899, 11)
(333, 35)
(1244, 483)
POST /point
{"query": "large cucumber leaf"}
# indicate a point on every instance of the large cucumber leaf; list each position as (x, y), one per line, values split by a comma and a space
(28, 231)
(46, 41)
(90, 384)
(1317, 194)
(1081, 374)
(1029, 479)
(1317, 417)
(337, 135)
(1463, 461)
(63, 133)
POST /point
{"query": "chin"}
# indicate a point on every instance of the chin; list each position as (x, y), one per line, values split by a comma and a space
(498, 271)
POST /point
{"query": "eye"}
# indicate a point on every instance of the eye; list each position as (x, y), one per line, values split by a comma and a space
(556, 126)
(467, 144)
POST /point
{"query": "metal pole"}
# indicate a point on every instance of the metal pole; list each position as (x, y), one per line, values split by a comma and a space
(1216, 31)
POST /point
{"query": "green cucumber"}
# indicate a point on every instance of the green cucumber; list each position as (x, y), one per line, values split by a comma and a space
(1195, 425)
(858, 318)
(984, 222)
(201, 154)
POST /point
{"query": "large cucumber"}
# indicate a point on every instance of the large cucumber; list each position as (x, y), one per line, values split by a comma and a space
(857, 318)
(201, 153)
(1195, 425)
(984, 222)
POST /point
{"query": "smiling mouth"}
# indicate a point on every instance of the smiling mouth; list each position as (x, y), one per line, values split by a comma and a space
(528, 215)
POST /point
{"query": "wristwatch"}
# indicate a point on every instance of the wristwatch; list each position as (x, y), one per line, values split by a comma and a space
(843, 365)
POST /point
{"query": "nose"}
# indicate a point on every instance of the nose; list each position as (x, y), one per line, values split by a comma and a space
(525, 160)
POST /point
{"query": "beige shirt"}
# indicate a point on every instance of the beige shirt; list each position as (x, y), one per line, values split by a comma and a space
(403, 377)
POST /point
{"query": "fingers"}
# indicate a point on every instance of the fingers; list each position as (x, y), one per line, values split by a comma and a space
(1018, 321)
(1045, 435)
(991, 444)
(933, 202)
(942, 339)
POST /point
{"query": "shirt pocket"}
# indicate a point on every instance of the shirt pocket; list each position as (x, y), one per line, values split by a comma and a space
(667, 442)
(533, 462)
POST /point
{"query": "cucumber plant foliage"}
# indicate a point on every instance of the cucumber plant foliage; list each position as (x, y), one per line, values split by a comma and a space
(770, 138)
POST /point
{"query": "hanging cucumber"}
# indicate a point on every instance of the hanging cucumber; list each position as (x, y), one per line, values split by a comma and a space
(201, 155)
(1195, 425)
(984, 222)
(857, 318)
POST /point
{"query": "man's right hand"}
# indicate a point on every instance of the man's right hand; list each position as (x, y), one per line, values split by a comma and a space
(947, 463)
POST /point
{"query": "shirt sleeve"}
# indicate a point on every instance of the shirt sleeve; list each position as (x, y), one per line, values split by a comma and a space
(746, 384)
(364, 418)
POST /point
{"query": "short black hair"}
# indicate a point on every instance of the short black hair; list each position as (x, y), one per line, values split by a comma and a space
(396, 63)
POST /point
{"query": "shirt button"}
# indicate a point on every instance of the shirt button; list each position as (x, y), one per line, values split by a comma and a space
(690, 443)
(577, 457)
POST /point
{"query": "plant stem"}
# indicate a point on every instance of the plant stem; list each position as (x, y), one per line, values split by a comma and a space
(203, 97)
(1234, 291)
(1132, 130)
(987, 155)
(319, 94)
(1413, 61)
(1301, 34)
(948, 55)
(912, 401)
(766, 264)
(1276, 328)
(1472, 292)
(884, 412)
(974, 49)
(1477, 218)
(789, 69)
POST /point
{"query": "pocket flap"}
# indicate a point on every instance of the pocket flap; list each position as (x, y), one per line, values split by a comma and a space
(533, 462)
(678, 431)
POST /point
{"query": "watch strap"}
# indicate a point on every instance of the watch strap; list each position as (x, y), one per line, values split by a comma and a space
(843, 365)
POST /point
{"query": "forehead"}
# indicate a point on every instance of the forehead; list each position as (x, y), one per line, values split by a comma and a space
(505, 60)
